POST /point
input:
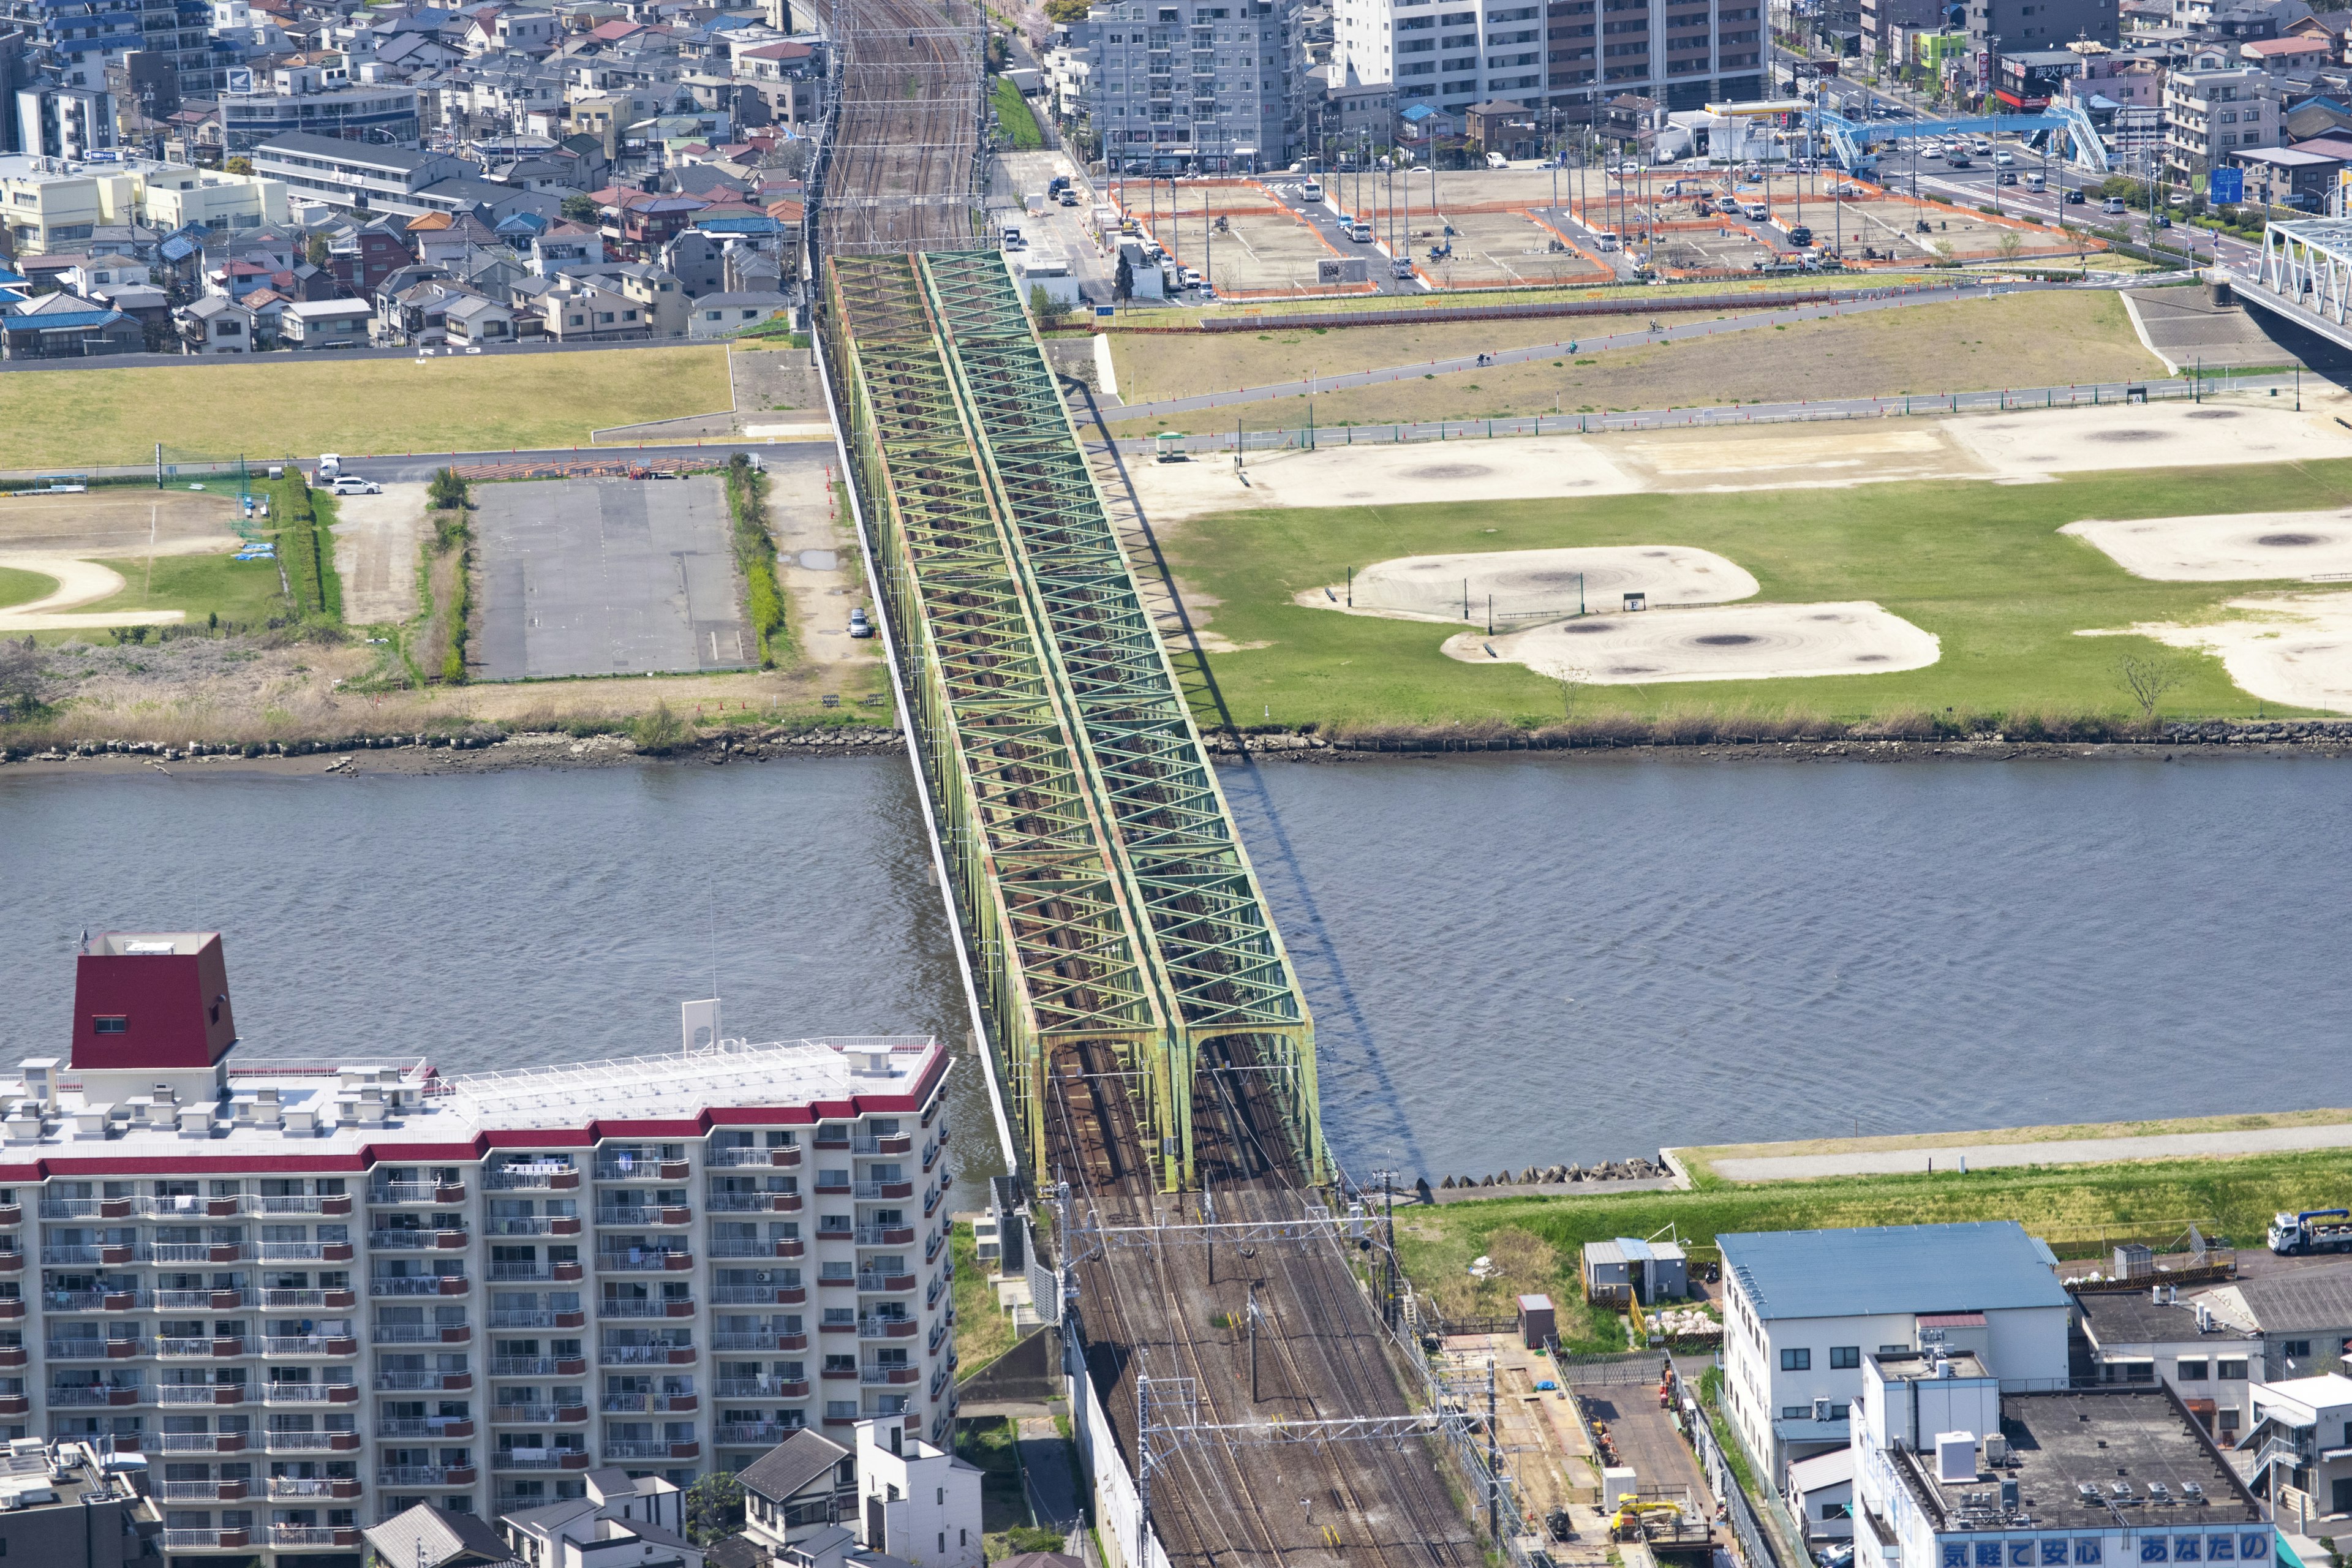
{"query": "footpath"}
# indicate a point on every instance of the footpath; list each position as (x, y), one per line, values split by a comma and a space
(1990, 1150)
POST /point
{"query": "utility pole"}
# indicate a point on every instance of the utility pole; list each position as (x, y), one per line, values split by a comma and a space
(1252, 1339)
(1494, 1466)
(1387, 1265)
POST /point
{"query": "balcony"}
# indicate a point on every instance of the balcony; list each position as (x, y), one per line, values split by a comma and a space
(767, 1342)
(636, 1170)
(538, 1414)
(730, 1159)
(878, 1377)
(645, 1261)
(179, 1205)
(205, 1540)
(189, 1252)
(539, 1366)
(431, 1427)
(740, 1246)
(198, 1300)
(422, 1285)
(322, 1300)
(666, 1308)
(673, 1404)
(526, 1273)
(761, 1432)
(303, 1252)
(202, 1491)
(284, 1489)
(310, 1442)
(416, 1240)
(310, 1393)
(95, 1301)
(886, 1284)
(832, 1135)
(532, 1179)
(533, 1224)
(886, 1235)
(182, 1349)
(645, 1355)
(422, 1382)
(84, 1397)
(426, 1476)
(739, 1203)
(886, 1328)
(312, 1535)
(540, 1459)
(420, 1334)
(200, 1394)
(535, 1318)
(92, 1348)
(646, 1215)
(417, 1192)
(651, 1450)
(882, 1144)
(884, 1192)
(309, 1344)
(760, 1388)
(85, 1208)
(199, 1442)
(329, 1204)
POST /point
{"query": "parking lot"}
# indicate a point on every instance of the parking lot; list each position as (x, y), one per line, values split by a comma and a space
(607, 577)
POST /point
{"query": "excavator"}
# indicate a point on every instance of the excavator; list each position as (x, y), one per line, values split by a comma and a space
(1626, 1523)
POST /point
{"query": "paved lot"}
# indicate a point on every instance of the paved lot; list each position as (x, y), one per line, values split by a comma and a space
(607, 577)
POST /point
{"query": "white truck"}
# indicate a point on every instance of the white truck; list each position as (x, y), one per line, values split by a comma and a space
(330, 468)
(2312, 1230)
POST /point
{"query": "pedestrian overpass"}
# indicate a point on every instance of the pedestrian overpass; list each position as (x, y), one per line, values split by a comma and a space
(1851, 140)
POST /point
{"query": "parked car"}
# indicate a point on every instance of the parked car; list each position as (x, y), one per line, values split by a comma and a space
(1070, 198)
(352, 485)
(859, 626)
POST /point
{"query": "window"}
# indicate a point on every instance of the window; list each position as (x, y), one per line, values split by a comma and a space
(2229, 1372)
(2188, 1371)
(1796, 1412)
(2296, 1348)
(1797, 1360)
(1845, 1358)
(109, 1023)
(1894, 1350)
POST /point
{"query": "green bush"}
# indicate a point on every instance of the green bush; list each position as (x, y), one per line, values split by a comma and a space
(301, 551)
(660, 730)
(448, 491)
(755, 556)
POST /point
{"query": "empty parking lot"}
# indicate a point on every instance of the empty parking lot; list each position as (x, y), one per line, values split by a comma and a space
(607, 577)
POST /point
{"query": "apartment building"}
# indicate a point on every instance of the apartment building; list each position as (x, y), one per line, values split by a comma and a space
(2209, 114)
(314, 1294)
(1199, 87)
(1560, 58)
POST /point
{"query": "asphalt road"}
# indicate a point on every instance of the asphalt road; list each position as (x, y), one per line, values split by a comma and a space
(297, 356)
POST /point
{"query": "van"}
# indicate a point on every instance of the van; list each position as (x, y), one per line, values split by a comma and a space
(2113, 206)
(2037, 183)
(1312, 191)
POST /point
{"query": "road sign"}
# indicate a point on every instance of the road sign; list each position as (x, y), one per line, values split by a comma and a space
(1106, 310)
(2226, 186)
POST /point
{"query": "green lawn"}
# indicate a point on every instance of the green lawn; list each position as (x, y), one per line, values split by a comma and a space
(984, 1329)
(201, 586)
(2080, 1210)
(304, 404)
(1980, 565)
(1012, 112)
(24, 588)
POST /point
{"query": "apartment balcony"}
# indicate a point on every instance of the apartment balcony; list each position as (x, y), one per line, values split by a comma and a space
(96, 1300)
(310, 1393)
(757, 1295)
(328, 1203)
(535, 1273)
(646, 1356)
(833, 1187)
(212, 1252)
(88, 1396)
(416, 1240)
(886, 1235)
(533, 1225)
(321, 1300)
(538, 1414)
(284, 1489)
(182, 1349)
(427, 1475)
(735, 1158)
(13, 1356)
(206, 1539)
(423, 1382)
(303, 1252)
(395, 1192)
(652, 1450)
(433, 1427)
(883, 1191)
(309, 1344)
(646, 1215)
(86, 1208)
(310, 1442)
(539, 1366)
(739, 1247)
(748, 1202)
(832, 1135)
(643, 1170)
(203, 1491)
(94, 1349)
(197, 1442)
(764, 1432)
(200, 1394)
(665, 1308)
(648, 1261)
(532, 1179)
(760, 1388)
(116, 1253)
(883, 1144)
(878, 1376)
(301, 1537)
(420, 1334)
(535, 1318)
(886, 1328)
(14, 1403)
(673, 1404)
(508, 1460)
(185, 1206)
(422, 1284)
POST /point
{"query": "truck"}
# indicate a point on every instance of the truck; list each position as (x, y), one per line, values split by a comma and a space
(330, 468)
(2312, 1230)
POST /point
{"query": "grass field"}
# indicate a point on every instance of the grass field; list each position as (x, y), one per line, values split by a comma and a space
(984, 1329)
(305, 405)
(1979, 565)
(1635, 295)
(2075, 1208)
(2021, 340)
(1012, 112)
(199, 586)
(24, 588)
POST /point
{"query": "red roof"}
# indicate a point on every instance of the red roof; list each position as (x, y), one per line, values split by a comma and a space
(2295, 45)
(615, 30)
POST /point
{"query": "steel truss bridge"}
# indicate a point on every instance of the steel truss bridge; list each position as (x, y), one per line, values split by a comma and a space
(1850, 140)
(1103, 893)
(2304, 277)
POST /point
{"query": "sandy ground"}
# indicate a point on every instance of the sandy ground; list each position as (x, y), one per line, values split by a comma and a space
(1745, 642)
(2238, 547)
(824, 576)
(2291, 648)
(1524, 583)
(2015, 448)
(78, 582)
(376, 543)
(2158, 434)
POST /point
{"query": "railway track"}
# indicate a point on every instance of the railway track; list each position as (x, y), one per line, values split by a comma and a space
(901, 164)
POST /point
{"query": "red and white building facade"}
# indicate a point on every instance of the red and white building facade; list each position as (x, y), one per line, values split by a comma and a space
(315, 1294)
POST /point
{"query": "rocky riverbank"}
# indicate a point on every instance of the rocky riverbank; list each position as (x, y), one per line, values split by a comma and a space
(479, 748)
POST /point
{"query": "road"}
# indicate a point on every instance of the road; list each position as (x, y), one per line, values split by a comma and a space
(297, 356)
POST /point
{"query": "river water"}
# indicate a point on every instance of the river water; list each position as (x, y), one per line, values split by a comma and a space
(1513, 961)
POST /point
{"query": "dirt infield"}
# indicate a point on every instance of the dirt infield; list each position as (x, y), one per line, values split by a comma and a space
(1509, 587)
(2156, 434)
(1504, 250)
(2291, 648)
(1743, 642)
(2243, 547)
(116, 522)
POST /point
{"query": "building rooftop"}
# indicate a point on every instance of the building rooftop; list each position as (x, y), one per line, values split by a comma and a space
(2329, 1391)
(2112, 1318)
(2125, 1459)
(35, 1474)
(1977, 1266)
(2302, 1297)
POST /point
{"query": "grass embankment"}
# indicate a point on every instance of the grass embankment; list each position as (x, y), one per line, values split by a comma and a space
(2018, 339)
(984, 1329)
(23, 587)
(443, 622)
(305, 548)
(1633, 296)
(2080, 1210)
(755, 558)
(1980, 565)
(1012, 112)
(296, 403)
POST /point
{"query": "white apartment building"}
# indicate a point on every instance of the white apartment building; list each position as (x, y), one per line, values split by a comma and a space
(1560, 58)
(51, 204)
(2209, 114)
(1195, 87)
(918, 1501)
(1804, 1309)
(314, 1294)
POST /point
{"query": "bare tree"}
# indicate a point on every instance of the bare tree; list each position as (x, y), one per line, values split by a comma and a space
(2009, 243)
(2148, 678)
(1572, 686)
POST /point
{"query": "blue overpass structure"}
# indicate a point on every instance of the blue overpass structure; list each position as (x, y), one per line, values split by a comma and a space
(1851, 140)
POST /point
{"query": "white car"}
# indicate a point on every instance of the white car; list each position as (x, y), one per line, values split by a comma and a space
(2003, 159)
(350, 485)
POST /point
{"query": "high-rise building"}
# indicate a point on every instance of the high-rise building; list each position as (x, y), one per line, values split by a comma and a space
(1557, 58)
(1195, 86)
(313, 1294)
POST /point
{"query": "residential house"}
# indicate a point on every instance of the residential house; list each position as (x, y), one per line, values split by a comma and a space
(268, 309)
(2298, 177)
(64, 325)
(566, 246)
(1820, 1496)
(479, 322)
(215, 325)
(717, 315)
(2149, 1336)
(426, 1536)
(653, 289)
(919, 1503)
(2288, 56)
(619, 1520)
(577, 311)
(2302, 1439)
(1801, 1308)
(327, 324)
(805, 1484)
(2304, 1316)
(1501, 126)
(699, 261)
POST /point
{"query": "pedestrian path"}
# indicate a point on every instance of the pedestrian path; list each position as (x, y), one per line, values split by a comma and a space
(1995, 1154)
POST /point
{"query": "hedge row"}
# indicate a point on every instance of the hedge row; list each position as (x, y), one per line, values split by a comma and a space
(755, 556)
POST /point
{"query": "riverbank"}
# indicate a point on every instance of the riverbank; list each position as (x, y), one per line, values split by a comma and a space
(478, 749)
(1738, 738)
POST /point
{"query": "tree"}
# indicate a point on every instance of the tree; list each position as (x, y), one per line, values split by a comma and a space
(579, 208)
(1041, 304)
(238, 166)
(714, 1509)
(2147, 678)
(315, 249)
(2009, 245)
(1122, 284)
(20, 679)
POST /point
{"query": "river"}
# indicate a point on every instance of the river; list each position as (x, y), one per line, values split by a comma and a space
(1513, 961)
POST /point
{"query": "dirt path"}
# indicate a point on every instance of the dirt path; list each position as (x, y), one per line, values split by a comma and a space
(823, 574)
(375, 554)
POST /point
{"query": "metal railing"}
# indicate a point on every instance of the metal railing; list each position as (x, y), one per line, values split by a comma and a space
(657, 1309)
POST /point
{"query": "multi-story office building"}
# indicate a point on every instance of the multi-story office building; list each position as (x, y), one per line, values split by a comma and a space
(1213, 88)
(1560, 58)
(316, 1294)
(2207, 114)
